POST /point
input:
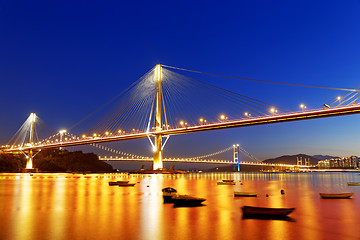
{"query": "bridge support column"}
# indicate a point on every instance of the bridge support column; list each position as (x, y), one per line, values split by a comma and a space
(236, 156)
(298, 160)
(158, 153)
(29, 162)
(158, 163)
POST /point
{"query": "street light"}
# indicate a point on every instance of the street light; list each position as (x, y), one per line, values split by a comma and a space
(302, 106)
(61, 134)
(339, 98)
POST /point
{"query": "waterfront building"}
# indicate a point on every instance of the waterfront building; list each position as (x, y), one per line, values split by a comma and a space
(339, 163)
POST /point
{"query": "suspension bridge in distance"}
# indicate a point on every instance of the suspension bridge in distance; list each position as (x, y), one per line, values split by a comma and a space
(236, 160)
(162, 130)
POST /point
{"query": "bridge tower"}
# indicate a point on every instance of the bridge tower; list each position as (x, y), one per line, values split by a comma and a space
(298, 160)
(158, 153)
(29, 162)
(307, 161)
(236, 156)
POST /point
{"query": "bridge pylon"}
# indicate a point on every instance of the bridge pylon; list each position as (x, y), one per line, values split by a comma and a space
(298, 160)
(236, 148)
(29, 162)
(158, 147)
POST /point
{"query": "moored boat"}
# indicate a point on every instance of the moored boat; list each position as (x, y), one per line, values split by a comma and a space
(126, 184)
(168, 194)
(226, 182)
(336, 195)
(118, 182)
(245, 194)
(353, 183)
(186, 200)
(265, 211)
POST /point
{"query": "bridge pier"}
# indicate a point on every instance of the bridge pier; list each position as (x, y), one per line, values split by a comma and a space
(29, 160)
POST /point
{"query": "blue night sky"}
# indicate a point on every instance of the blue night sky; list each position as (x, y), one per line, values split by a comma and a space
(64, 59)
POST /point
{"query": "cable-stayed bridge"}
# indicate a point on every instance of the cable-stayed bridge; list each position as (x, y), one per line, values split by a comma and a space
(164, 103)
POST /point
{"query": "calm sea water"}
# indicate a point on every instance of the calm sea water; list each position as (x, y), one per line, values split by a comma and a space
(68, 206)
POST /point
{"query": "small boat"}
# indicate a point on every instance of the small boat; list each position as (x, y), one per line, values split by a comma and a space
(126, 184)
(117, 182)
(245, 194)
(168, 194)
(226, 182)
(336, 195)
(353, 184)
(265, 211)
(186, 200)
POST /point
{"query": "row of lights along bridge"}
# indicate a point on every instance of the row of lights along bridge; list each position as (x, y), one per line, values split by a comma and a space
(182, 124)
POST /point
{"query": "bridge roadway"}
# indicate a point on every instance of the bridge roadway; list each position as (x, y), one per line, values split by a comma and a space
(193, 160)
(295, 116)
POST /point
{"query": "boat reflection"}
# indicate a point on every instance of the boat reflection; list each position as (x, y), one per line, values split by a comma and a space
(280, 218)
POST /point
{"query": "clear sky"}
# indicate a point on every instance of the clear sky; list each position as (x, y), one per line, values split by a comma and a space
(64, 59)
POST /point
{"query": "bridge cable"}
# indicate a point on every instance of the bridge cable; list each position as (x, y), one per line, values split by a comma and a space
(264, 81)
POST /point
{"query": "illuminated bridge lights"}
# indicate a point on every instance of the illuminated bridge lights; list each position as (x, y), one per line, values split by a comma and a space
(197, 128)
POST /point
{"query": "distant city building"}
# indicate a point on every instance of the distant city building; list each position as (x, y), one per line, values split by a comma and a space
(345, 163)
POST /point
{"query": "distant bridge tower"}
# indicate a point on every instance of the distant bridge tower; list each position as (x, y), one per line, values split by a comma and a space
(298, 160)
(307, 162)
(29, 162)
(158, 153)
(236, 148)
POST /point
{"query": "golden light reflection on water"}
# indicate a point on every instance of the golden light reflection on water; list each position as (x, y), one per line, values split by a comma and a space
(67, 206)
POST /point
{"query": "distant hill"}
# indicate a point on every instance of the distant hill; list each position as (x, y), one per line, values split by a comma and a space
(291, 159)
(324, 157)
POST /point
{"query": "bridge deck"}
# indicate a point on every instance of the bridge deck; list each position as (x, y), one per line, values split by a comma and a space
(296, 116)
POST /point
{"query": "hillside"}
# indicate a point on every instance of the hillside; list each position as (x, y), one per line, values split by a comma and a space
(291, 159)
(55, 160)
(324, 157)
(286, 159)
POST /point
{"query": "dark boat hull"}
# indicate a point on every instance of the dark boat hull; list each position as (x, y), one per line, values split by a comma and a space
(336, 195)
(245, 194)
(118, 183)
(187, 201)
(262, 211)
(353, 184)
